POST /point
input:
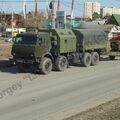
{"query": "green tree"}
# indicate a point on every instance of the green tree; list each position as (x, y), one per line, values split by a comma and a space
(95, 16)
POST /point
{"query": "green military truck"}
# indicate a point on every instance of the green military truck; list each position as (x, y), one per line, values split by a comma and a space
(115, 46)
(57, 48)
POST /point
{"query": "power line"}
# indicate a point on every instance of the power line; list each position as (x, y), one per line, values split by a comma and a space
(69, 6)
(15, 1)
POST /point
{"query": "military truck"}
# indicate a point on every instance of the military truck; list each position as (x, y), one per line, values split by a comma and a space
(57, 48)
(115, 46)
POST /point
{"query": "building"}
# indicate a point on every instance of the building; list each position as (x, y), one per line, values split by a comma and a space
(90, 8)
(107, 11)
(96, 7)
(14, 31)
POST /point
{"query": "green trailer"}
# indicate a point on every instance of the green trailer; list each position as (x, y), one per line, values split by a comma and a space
(91, 44)
(90, 40)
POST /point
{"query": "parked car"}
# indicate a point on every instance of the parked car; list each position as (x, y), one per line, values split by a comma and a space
(9, 39)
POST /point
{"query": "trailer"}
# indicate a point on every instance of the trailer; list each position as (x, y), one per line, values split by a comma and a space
(91, 44)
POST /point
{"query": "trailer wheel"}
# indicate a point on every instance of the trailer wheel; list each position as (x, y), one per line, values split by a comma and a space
(94, 58)
(45, 66)
(112, 57)
(61, 63)
(86, 59)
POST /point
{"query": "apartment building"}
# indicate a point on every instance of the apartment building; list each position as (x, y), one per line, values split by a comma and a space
(109, 11)
(90, 8)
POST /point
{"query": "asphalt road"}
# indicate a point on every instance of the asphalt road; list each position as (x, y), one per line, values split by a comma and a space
(25, 96)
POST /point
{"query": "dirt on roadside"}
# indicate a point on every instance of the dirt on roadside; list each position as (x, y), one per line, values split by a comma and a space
(106, 111)
(5, 50)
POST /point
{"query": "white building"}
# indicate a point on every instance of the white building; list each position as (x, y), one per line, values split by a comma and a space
(96, 7)
(109, 11)
(90, 8)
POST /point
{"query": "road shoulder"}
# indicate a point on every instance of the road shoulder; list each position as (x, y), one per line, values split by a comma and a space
(107, 111)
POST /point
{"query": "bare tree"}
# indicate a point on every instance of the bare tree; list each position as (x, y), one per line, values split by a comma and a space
(35, 21)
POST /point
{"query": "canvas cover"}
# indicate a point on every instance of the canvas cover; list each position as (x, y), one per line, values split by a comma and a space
(88, 39)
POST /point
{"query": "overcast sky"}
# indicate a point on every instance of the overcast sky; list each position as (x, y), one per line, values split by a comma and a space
(65, 5)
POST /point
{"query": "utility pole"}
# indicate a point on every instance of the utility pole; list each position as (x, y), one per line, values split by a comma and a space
(53, 15)
(36, 7)
(58, 7)
(12, 24)
(72, 7)
(47, 9)
(24, 12)
(24, 9)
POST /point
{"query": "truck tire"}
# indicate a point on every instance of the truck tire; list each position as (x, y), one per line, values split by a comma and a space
(46, 65)
(112, 57)
(86, 59)
(61, 63)
(94, 58)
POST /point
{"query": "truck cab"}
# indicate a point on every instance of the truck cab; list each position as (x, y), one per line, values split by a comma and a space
(29, 48)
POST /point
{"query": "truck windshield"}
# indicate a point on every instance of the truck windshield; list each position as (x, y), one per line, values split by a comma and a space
(26, 39)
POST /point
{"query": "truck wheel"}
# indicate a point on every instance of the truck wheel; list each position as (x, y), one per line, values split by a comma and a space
(86, 59)
(22, 67)
(61, 63)
(94, 58)
(112, 57)
(46, 66)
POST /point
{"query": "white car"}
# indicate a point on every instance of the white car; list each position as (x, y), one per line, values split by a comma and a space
(8, 39)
